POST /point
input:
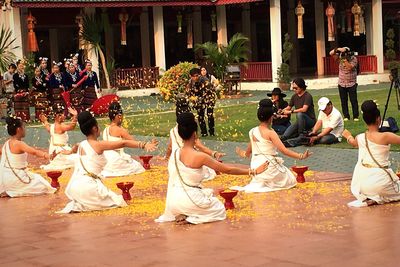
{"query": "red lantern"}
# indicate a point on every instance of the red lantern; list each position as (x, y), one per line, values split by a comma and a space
(123, 17)
(32, 41)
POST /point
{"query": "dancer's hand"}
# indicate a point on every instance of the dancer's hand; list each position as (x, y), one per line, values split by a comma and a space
(43, 118)
(262, 168)
(53, 155)
(219, 155)
(240, 152)
(151, 146)
(72, 111)
(346, 134)
(306, 154)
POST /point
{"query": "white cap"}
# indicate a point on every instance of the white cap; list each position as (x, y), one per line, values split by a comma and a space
(322, 102)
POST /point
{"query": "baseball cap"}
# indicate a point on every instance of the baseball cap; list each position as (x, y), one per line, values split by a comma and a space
(322, 102)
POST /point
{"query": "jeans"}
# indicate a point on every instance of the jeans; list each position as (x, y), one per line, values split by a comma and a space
(280, 129)
(345, 93)
(327, 140)
(302, 124)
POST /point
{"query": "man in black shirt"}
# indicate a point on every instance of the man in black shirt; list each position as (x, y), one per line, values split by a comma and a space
(281, 121)
(302, 105)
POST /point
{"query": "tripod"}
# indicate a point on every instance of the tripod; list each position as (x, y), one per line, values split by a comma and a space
(396, 85)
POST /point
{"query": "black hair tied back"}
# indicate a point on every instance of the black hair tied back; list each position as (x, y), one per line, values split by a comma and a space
(265, 110)
(187, 125)
(12, 125)
(86, 122)
(370, 112)
(114, 110)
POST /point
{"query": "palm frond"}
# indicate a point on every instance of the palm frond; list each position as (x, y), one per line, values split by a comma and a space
(92, 30)
(6, 46)
(237, 49)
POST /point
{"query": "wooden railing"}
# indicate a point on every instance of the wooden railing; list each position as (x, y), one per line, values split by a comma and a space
(367, 64)
(256, 71)
(135, 78)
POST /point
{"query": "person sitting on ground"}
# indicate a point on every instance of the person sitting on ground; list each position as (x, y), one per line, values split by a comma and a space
(330, 120)
(264, 145)
(85, 189)
(373, 182)
(118, 162)
(59, 139)
(302, 105)
(189, 202)
(281, 121)
(15, 179)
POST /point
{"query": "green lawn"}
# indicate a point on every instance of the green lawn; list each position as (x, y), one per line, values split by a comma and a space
(234, 121)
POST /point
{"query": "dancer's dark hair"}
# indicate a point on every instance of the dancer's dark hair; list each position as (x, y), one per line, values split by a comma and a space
(12, 125)
(187, 125)
(114, 110)
(86, 122)
(370, 112)
(265, 110)
(182, 105)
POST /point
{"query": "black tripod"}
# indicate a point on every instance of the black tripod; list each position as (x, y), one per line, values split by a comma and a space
(396, 85)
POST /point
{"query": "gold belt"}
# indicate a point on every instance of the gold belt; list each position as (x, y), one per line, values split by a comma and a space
(59, 144)
(8, 167)
(366, 165)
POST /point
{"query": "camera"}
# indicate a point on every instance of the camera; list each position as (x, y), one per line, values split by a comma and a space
(348, 54)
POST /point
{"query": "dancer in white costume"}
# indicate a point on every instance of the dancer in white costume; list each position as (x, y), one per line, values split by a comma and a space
(118, 162)
(59, 139)
(188, 202)
(15, 179)
(373, 182)
(264, 146)
(85, 188)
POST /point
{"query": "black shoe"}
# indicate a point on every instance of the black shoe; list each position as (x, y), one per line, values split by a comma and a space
(212, 134)
(204, 134)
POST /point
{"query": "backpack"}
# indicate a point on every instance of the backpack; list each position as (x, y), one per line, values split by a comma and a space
(390, 126)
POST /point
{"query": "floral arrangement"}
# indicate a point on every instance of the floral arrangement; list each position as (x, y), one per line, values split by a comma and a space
(175, 80)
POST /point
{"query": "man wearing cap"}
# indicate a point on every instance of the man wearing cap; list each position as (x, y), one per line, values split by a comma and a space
(347, 82)
(301, 104)
(281, 121)
(330, 121)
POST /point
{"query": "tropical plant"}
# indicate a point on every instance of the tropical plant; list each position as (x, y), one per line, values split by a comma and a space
(283, 71)
(30, 65)
(6, 48)
(92, 32)
(390, 53)
(175, 80)
(220, 56)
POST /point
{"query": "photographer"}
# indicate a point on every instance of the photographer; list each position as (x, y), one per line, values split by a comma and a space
(347, 83)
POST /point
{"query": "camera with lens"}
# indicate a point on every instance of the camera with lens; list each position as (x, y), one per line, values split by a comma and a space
(347, 54)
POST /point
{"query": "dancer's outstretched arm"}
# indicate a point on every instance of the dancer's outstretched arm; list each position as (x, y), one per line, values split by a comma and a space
(215, 154)
(101, 146)
(281, 147)
(350, 139)
(70, 126)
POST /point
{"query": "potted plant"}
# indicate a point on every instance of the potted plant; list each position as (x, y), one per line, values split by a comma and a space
(283, 71)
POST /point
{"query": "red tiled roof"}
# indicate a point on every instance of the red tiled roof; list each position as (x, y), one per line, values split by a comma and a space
(121, 3)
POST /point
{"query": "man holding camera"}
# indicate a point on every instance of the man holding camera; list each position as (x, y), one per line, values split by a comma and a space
(347, 83)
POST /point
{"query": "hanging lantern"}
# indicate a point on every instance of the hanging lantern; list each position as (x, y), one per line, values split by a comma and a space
(32, 41)
(356, 11)
(349, 19)
(362, 21)
(330, 13)
(189, 32)
(79, 21)
(213, 21)
(299, 11)
(179, 20)
(123, 18)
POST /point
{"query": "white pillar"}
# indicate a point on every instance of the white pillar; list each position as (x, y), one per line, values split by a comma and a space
(377, 31)
(13, 18)
(145, 37)
(159, 42)
(320, 36)
(276, 36)
(368, 27)
(222, 31)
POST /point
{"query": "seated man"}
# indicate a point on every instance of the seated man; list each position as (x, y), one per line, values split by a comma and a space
(331, 122)
(280, 122)
(303, 104)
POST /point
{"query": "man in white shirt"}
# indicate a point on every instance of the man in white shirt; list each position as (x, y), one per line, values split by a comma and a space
(330, 121)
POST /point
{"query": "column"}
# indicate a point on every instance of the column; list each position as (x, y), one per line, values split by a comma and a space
(92, 54)
(145, 37)
(292, 29)
(53, 36)
(159, 40)
(13, 19)
(222, 30)
(197, 30)
(320, 36)
(368, 27)
(276, 36)
(377, 31)
(246, 24)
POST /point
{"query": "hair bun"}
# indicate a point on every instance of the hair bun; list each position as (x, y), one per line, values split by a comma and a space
(9, 120)
(265, 103)
(368, 106)
(84, 117)
(186, 118)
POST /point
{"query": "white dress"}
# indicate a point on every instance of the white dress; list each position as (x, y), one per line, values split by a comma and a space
(186, 196)
(58, 143)
(277, 176)
(118, 162)
(85, 192)
(371, 182)
(16, 180)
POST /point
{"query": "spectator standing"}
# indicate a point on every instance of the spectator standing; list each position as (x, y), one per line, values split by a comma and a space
(8, 82)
